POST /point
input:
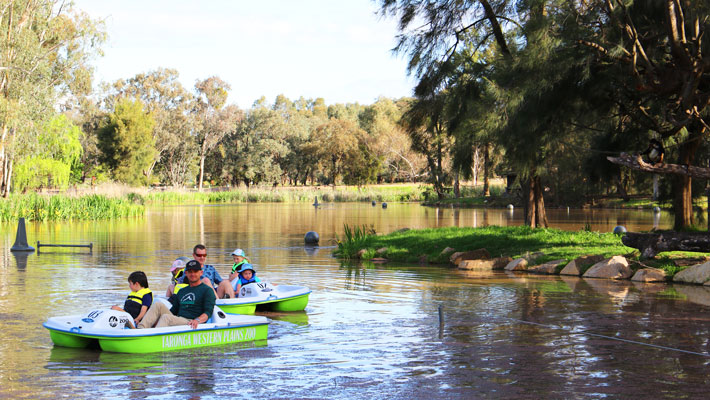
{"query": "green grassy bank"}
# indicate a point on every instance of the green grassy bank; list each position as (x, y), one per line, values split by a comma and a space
(412, 245)
(34, 207)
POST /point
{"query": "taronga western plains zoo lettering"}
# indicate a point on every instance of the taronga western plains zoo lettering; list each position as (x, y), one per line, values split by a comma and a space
(207, 338)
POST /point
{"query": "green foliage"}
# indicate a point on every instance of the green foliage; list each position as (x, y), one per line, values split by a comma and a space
(57, 155)
(127, 143)
(34, 207)
(44, 56)
(36, 172)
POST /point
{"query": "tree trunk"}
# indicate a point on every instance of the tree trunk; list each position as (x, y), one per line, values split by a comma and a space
(8, 180)
(535, 215)
(486, 170)
(682, 186)
(529, 208)
(620, 189)
(540, 204)
(475, 166)
(655, 187)
(457, 187)
(202, 172)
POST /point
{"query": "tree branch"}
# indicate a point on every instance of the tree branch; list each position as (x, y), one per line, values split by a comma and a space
(636, 163)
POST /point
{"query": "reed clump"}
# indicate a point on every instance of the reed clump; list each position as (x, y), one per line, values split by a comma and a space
(36, 207)
(354, 238)
(288, 195)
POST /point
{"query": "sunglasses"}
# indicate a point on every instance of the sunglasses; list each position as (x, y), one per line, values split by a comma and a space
(201, 255)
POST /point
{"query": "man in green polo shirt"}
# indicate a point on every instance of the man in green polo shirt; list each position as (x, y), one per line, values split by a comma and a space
(192, 305)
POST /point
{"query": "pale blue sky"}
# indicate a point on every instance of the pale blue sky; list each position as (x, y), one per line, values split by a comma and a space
(335, 49)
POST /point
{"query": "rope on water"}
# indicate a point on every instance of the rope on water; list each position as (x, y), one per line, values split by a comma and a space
(609, 337)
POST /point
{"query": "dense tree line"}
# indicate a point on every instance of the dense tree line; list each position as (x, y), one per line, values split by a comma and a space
(543, 90)
(558, 85)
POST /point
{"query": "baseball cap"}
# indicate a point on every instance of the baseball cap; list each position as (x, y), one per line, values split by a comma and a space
(238, 252)
(193, 265)
(177, 264)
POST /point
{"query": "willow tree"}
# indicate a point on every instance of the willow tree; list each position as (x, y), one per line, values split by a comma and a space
(44, 51)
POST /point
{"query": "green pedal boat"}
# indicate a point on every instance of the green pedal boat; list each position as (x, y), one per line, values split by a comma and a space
(262, 296)
(107, 329)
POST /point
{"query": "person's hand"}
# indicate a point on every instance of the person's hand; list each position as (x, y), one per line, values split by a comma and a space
(193, 323)
(117, 308)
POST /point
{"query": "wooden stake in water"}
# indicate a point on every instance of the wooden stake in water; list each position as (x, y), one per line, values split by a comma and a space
(441, 322)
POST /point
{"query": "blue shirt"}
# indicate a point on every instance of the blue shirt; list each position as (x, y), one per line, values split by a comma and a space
(208, 272)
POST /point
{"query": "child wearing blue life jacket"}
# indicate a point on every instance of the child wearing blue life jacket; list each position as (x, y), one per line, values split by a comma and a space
(140, 298)
(247, 274)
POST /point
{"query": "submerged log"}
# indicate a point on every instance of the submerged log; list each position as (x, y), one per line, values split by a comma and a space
(653, 243)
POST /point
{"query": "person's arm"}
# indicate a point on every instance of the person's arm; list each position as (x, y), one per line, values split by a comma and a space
(217, 278)
(208, 302)
(144, 309)
(147, 302)
(233, 275)
(117, 308)
(169, 292)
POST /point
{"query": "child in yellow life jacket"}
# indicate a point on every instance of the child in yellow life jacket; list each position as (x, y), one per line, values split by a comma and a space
(177, 269)
(140, 298)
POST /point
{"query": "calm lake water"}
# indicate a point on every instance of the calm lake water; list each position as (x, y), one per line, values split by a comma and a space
(369, 332)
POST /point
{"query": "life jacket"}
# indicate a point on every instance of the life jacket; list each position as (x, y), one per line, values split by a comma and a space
(180, 272)
(243, 281)
(134, 302)
(179, 286)
(235, 267)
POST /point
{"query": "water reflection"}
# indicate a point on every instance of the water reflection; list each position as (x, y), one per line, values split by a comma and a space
(369, 329)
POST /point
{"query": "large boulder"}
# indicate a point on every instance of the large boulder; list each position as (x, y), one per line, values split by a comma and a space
(616, 267)
(549, 267)
(480, 254)
(576, 266)
(649, 275)
(519, 264)
(694, 274)
(484, 265)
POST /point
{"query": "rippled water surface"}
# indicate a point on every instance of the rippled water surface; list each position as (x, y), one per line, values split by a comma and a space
(369, 331)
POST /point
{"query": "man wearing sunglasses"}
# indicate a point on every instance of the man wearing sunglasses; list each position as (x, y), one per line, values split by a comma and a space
(223, 289)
